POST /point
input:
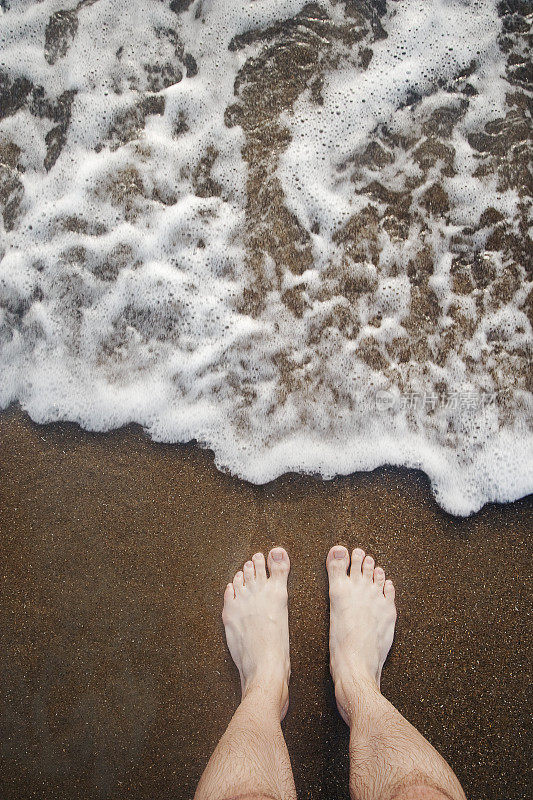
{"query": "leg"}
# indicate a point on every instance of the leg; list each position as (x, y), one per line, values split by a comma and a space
(389, 758)
(251, 759)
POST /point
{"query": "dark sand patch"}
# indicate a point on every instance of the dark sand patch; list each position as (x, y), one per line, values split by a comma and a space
(115, 680)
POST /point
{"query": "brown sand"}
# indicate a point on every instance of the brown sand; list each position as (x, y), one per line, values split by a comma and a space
(115, 678)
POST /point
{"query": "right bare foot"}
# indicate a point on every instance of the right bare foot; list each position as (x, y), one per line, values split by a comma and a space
(257, 627)
(362, 619)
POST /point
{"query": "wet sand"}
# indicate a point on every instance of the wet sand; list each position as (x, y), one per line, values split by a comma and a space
(115, 679)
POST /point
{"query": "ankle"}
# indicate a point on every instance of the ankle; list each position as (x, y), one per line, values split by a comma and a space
(355, 691)
(268, 691)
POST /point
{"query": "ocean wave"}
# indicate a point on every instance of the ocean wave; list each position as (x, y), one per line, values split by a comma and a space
(294, 232)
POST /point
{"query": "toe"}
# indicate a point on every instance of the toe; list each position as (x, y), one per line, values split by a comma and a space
(238, 583)
(357, 563)
(279, 564)
(229, 594)
(229, 600)
(337, 562)
(390, 591)
(260, 569)
(379, 578)
(249, 575)
(368, 568)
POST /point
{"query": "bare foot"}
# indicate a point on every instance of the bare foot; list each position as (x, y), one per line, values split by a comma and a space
(362, 619)
(257, 626)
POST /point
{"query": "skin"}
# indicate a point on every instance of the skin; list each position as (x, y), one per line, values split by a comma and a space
(389, 758)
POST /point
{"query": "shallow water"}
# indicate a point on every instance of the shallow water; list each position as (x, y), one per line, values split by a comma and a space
(297, 233)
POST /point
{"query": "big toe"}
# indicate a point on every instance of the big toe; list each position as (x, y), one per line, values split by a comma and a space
(279, 564)
(337, 562)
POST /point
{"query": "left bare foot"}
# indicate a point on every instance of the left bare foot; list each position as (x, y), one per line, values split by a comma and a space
(255, 617)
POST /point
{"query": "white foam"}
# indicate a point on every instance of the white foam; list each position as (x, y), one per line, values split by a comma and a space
(160, 340)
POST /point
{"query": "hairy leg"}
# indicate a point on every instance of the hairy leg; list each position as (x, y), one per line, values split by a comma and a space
(251, 759)
(389, 758)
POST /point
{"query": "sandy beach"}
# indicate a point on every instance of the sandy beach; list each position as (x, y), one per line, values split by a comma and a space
(116, 681)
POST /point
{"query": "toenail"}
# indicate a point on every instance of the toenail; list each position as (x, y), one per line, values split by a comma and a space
(277, 556)
(249, 564)
(339, 554)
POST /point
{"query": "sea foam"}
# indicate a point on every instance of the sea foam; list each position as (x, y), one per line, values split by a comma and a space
(294, 232)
